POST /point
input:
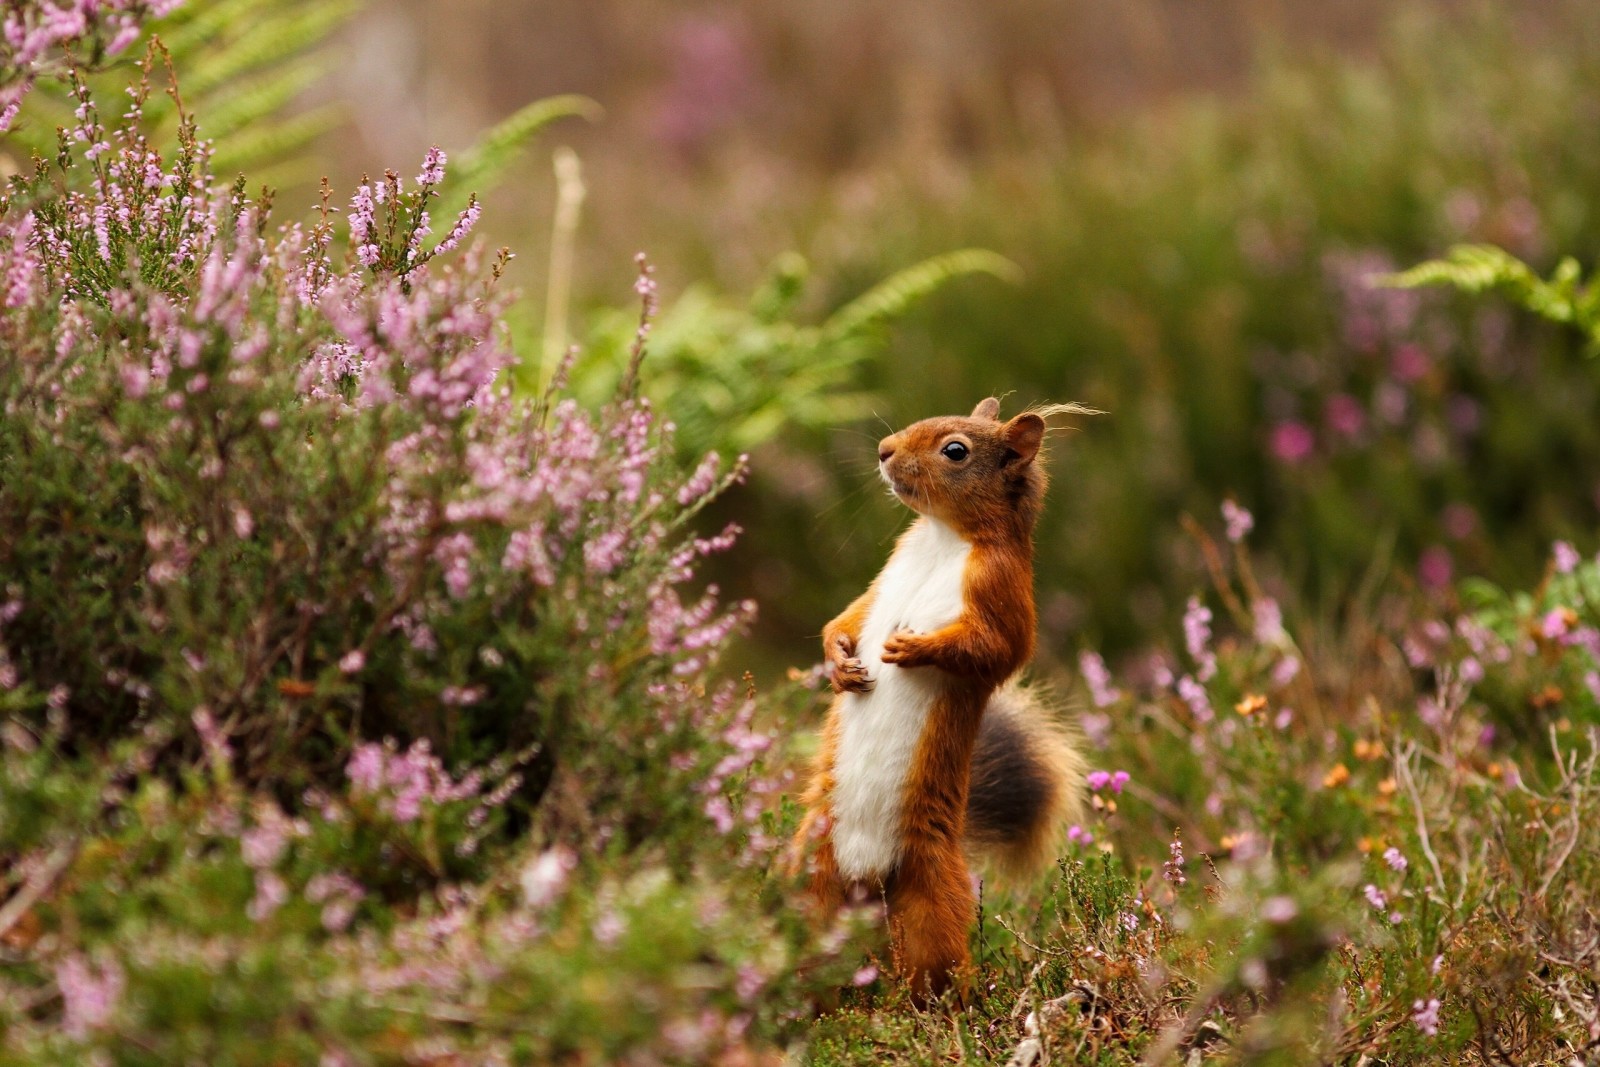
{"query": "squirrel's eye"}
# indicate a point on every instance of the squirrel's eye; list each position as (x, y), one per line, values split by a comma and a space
(955, 451)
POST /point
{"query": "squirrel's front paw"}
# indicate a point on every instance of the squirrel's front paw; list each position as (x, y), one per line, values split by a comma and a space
(849, 676)
(904, 649)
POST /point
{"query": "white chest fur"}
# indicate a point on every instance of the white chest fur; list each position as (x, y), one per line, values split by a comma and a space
(920, 590)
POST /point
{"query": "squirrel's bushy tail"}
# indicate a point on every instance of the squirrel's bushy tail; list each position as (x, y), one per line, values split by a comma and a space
(1027, 784)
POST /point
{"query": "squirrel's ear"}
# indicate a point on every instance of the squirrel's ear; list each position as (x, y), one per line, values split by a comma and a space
(1023, 435)
(987, 409)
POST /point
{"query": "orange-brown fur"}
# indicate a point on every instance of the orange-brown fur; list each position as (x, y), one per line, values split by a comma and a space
(992, 501)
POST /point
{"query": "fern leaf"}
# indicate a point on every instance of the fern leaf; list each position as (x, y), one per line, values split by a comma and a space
(478, 168)
(897, 293)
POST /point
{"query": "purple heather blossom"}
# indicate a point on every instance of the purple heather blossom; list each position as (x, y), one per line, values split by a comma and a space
(1344, 415)
(1172, 868)
(865, 976)
(1291, 442)
(1395, 858)
(1238, 520)
(89, 994)
(352, 662)
(1098, 679)
(432, 167)
(1279, 910)
(1566, 557)
(1375, 897)
(1555, 624)
(1425, 1014)
(1435, 567)
(1194, 694)
(544, 878)
(1197, 638)
(271, 894)
(1268, 621)
(1079, 836)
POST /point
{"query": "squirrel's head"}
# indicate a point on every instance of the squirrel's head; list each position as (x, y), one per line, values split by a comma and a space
(975, 472)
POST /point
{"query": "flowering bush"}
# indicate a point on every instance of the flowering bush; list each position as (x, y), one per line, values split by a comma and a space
(339, 660)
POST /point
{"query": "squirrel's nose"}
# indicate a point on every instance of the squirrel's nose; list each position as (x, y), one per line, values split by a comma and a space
(885, 450)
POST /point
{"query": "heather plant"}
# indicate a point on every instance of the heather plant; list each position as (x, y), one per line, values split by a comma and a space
(332, 665)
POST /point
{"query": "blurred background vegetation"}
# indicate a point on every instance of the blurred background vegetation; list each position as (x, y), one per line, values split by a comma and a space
(1198, 201)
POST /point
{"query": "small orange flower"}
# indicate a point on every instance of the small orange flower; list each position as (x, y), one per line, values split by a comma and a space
(1369, 750)
(1387, 787)
(1336, 777)
(1252, 703)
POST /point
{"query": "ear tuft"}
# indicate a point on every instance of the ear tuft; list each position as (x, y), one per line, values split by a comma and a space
(1024, 434)
(987, 409)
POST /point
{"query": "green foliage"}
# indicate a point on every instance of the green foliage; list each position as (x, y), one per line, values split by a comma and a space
(1565, 297)
(486, 164)
(246, 66)
(1204, 271)
(732, 378)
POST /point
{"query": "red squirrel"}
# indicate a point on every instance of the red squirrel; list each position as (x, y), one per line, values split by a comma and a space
(931, 751)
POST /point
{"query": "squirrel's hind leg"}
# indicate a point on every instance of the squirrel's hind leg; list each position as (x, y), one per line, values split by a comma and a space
(931, 909)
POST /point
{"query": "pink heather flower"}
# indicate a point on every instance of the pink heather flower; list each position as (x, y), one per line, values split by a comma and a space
(1098, 780)
(606, 553)
(1291, 442)
(1239, 521)
(1395, 858)
(1279, 910)
(352, 662)
(365, 767)
(1268, 621)
(89, 994)
(1282, 720)
(1079, 836)
(432, 167)
(544, 878)
(720, 812)
(1591, 681)
(1285, 670)
(1426, 1016)
(1197, 638)
(1566, 557)
(271, 894)
(609, 927)
(262, 846)
(865, 976)
(1435, 567)
(1172, 869)
(1554, 624)
(1471, 670)
(1118, 780)
(1344, 415)
(1410, 363)
(1098, 679)
(1375, 897)
(702, 481)
(463, 226)
(1194, 694)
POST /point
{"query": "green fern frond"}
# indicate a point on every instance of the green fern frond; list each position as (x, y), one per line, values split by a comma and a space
(253, 102)
(477, 169)
(897, 293)
(272, 154)
(241, 64)
(1564, 297)
(268, 42)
